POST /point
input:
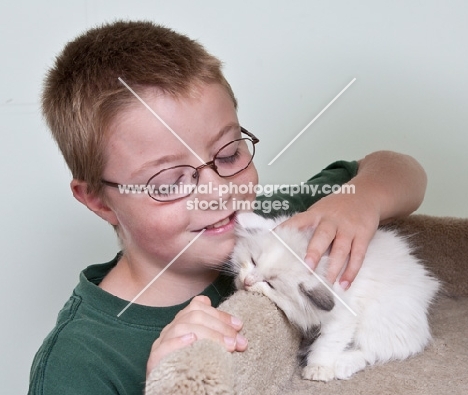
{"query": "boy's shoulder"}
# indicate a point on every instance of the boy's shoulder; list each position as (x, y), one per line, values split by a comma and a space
(90, 350)
(64, 361)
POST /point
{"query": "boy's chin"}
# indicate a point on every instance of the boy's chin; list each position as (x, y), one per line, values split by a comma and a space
(218, 260)
(219, 254)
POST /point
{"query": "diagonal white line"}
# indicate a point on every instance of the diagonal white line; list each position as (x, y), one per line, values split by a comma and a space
(315, 274)
(160, 119)
(313, 120)
(160, 273)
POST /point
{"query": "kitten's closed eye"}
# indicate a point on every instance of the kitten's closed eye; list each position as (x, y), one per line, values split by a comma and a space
(253, 262)
(269, 284)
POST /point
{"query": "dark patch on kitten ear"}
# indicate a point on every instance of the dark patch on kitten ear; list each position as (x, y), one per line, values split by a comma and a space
(308, 338)
(319, 297)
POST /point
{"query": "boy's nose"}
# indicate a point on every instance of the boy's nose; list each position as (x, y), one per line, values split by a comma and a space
(209, 164)
(216, 187)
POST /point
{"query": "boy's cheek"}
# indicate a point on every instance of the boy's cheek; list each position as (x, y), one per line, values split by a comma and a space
(253, 172)
(249, 178)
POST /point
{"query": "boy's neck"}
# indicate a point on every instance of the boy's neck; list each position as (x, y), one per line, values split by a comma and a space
(126, 281)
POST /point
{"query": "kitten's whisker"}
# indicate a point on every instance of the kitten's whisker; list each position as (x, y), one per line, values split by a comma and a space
(221, 265)
(313, 272)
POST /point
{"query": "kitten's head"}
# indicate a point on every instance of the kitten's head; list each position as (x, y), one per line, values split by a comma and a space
(264, 264)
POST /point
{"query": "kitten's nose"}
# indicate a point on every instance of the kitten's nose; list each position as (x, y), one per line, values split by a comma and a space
(249, 280)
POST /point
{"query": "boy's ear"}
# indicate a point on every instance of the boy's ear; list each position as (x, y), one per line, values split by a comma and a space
(95, 203)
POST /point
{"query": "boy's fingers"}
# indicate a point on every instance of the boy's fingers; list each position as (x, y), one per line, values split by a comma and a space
(338, 257)
(199, 318)
(358, 253)
(202, 299)
(230, 340)
(203, 304)
(319, 243)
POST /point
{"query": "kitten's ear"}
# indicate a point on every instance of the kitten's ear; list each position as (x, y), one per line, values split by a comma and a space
(319, 296)
(254, 221)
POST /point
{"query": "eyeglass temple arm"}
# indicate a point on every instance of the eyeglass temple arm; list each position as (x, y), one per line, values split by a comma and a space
(255, 140)
(110, 184)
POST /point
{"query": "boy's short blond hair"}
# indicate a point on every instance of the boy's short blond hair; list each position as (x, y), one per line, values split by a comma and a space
(82, 93)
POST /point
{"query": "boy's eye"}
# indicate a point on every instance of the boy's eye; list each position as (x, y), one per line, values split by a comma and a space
(171, 182)
(165, 190)
(228, 159)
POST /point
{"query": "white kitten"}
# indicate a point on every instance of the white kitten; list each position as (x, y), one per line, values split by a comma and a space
(390, 296)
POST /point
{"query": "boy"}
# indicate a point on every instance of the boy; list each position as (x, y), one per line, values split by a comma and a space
(110, 139)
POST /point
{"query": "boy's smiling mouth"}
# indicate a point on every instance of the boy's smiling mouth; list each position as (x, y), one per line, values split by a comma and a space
(218, 224)
(221, 225)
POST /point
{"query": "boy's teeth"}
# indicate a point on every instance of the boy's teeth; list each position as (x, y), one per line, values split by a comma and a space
(218, 224)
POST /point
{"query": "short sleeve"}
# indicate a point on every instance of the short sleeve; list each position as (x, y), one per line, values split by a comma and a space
(287, 200)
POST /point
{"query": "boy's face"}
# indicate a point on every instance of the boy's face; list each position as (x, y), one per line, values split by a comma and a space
(139, 146)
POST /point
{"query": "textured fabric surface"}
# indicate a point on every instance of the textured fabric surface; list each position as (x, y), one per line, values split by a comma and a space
(269, 365)
(442, 243)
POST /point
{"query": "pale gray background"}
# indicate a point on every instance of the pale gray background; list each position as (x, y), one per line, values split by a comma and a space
(286, 60)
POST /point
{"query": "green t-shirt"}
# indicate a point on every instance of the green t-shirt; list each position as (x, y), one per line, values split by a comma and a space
(92, 351)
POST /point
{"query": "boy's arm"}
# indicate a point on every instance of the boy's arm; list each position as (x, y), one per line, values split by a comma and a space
(398, 183)
(387, 185)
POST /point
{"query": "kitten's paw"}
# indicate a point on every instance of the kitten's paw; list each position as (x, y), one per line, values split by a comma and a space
(349, 363)
(318, 373)
(345, 371)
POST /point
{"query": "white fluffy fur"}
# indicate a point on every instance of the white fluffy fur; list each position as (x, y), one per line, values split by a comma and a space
(390, 296)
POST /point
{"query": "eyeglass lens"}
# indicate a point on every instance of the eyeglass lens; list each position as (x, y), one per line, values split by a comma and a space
(180, 181)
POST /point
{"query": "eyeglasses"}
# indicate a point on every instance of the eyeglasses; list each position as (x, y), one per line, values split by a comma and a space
(180, 181)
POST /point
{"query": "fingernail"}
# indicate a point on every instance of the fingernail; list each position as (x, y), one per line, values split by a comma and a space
(309, 262)
(241, 340)
(344, 285)
(236, 321)
(230, 341)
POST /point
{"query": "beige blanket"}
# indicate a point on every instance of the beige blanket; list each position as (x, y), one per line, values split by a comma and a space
(269, 365)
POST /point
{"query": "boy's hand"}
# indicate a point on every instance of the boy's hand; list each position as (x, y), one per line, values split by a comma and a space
(387, 185)
(346, 223)
(199, 320)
